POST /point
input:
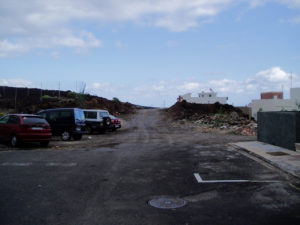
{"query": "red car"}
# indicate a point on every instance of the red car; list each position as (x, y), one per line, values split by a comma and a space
(115, 123)
(17, 128)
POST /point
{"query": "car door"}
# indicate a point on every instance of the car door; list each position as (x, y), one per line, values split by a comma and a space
(3, 125)
(52, 118)
(66, 120)
(12, 126)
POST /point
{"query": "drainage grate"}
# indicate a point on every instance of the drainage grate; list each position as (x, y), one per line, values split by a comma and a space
(277, 153)
(167, 203)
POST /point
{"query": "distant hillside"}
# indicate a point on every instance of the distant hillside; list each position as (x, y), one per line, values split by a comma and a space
(32, 100)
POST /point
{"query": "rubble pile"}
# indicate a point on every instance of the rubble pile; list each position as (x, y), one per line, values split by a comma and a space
(213, 117)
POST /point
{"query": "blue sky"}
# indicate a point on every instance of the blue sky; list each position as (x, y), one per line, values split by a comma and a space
(150, 51)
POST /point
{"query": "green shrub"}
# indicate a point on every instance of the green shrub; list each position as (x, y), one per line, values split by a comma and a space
(116, 100)
(46, 97)
(72, 94)
(81, 100)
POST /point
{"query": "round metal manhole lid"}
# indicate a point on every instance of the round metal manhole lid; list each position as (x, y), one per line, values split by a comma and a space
(167, 203)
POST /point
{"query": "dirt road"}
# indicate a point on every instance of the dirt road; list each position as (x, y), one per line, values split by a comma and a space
(110, 178)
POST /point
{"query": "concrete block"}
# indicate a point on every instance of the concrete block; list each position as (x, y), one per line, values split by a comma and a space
(279, 128)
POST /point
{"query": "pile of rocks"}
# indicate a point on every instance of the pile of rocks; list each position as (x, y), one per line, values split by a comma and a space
(212, 118)
(227, 123)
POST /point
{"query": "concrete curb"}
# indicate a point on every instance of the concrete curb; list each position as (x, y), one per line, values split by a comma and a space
(278, 163)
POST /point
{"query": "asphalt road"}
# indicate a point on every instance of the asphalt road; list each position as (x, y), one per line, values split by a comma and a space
(111, 184)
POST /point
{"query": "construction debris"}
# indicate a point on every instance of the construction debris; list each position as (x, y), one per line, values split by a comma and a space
(213, 117)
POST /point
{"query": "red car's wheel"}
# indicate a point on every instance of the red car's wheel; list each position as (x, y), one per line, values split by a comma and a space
(14, 140)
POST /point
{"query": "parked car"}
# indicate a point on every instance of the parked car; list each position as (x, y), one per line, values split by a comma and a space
(115, 123)
(96, 120)
(65, 122)
(17, 128)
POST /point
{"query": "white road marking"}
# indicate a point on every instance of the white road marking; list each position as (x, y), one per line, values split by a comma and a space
(46, 164)
(61, 164)
(200, 180)
(16, 164)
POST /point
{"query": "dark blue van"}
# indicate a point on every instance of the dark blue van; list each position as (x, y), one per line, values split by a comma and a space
(65, 122)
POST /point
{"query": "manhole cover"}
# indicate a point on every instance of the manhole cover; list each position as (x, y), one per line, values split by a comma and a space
(167, 203)
(277, 153)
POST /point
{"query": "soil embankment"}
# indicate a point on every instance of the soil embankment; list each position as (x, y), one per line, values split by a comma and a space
(31, 100)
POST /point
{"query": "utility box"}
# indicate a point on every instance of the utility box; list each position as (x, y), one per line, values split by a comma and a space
(279, 128)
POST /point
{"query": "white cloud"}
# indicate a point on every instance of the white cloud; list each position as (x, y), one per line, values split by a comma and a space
(295, 4)
(100, 87)
(46, 24)
(55, 54)
(190, 86)
(16, 83)
(240, 92)
(8, 48)
(275, 74)
(83, 41)
(31, 24)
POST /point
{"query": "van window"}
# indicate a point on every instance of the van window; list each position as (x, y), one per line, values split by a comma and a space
(42, 115)
(66, 115)
(79, 115)
(90, 115)
(53, 116)
(104, 114)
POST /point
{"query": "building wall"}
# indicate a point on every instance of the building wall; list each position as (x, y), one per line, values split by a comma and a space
(295, 93)
(270, 105)
(271, 95)
(204, 100)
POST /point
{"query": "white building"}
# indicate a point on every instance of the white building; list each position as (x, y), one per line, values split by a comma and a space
(275, 104)
(204, 98)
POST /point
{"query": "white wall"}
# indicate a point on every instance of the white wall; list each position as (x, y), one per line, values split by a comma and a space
(295, 93)
(267, 105)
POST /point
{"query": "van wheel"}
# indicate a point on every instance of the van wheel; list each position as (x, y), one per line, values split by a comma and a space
(77, 137)
(66, 136)
(14, 140)
(107, 122)
(44, 143)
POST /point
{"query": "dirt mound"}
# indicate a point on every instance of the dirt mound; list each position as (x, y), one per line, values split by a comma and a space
(212, 118)
(32, 100)
(185, 110)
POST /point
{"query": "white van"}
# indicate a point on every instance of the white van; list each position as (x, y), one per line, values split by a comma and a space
(96, 120)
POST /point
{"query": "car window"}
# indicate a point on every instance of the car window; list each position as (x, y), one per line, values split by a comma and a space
(90, 115)
(13, 120)
(4, 119)
(33, 120)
